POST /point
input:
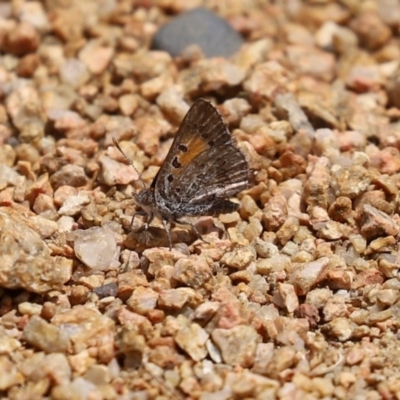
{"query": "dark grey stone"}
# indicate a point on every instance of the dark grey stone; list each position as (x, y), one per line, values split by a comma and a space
(200, 26)
(109, 289)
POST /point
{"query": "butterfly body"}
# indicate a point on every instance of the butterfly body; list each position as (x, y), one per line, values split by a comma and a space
(201, 171)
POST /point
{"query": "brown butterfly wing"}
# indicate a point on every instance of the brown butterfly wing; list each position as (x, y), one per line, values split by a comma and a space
(201, 128)
(203, 166)
(219, 173)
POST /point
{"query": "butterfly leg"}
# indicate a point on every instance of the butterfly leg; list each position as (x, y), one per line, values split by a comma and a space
(137, 213)
(149, 218)
(198, 234)
(166, 227)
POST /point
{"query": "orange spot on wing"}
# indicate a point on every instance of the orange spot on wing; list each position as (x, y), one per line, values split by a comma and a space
(195, 147)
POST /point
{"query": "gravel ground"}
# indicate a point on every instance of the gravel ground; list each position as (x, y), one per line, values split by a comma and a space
(295, 296)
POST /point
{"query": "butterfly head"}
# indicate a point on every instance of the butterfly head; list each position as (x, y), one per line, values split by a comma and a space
(145, 199)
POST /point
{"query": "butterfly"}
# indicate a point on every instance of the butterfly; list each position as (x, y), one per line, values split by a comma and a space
(202, 170)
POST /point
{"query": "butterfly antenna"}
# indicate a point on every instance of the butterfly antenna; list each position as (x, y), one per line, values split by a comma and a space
(116, 144)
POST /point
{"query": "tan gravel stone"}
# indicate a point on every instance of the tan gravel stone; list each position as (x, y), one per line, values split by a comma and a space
(335, 307)
(144, 66)
(142, 300)
(192, 272)
(90, 330)
(274, 264)
(34, 13)
(24, 107)
(388, 267)
(96, 57)
(10, 375)
(387, 297)
(157, 88)
(288, 296)
(240, 258)
(230, 218)
(73, 204)
(287, 230)
(26, 260)
(341, 328)
(275, 213)
(253, 230)
(69, 175)
(265, 249)
(306, 276)
(351, 182)
(174, 298)
(311, 61)
(266, 78)
(45, 336)
(97, 248)
(53, 366)
(217, 73)
(28, 65)
(65, 120)
(74, 72)
(192, 339)
(128, 104)
(367, 23)
(205, 311)
(115, 173)
(26, 308)
(376, 223)
(381, 245)
(8, 344)
(22, 39)
(341, 209)
(233, 110)
(237, 345)
(317, 187)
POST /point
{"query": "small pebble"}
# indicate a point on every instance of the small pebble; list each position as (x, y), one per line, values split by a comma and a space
(96, 247)
(237, 345)
(45, 336)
